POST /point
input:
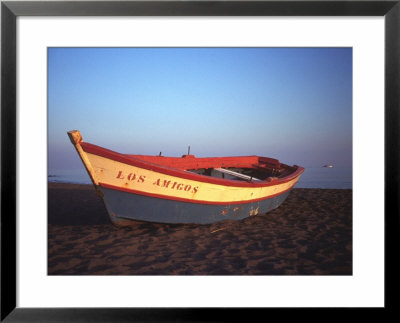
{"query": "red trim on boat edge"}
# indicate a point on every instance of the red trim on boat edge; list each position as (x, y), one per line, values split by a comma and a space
(106, 153)
(180, 199)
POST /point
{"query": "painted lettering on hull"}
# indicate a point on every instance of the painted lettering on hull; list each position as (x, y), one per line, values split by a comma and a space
(175, 185)
(131, 177)
(159, 182)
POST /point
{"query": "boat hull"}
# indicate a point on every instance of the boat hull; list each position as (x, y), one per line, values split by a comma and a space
(127, 206)
(166, 190)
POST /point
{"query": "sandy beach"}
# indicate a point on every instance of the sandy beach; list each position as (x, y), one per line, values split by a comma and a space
(309, 234)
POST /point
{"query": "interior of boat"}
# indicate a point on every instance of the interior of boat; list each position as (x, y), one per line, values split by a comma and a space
(232, 173)
(246, 168)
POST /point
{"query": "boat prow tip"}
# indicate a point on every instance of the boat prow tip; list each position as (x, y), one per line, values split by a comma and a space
(75, 136)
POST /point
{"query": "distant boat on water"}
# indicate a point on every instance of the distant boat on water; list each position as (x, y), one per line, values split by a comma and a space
(185, 189)
(328, 166)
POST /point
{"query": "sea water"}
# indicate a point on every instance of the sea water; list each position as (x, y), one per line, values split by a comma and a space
(324, 177)
(313, 177)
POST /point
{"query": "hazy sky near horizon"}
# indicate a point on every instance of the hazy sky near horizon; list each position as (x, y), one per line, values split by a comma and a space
(293, 104)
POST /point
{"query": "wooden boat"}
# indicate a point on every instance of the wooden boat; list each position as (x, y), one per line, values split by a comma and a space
(185, 189)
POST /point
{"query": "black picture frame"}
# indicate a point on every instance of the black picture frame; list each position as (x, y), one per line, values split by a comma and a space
(10, 10)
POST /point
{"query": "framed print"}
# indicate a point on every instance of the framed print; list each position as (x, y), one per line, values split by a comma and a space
(173, 74)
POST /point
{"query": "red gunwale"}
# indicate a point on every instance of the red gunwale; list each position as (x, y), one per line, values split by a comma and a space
(180, 199)
(129, 160)
(190, 162)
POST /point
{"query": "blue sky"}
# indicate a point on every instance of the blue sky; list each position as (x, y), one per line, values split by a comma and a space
(293, 104)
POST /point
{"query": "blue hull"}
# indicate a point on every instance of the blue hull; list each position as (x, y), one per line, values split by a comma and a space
(122, 205)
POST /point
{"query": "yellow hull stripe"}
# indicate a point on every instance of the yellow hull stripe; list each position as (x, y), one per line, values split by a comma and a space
(128, 177)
